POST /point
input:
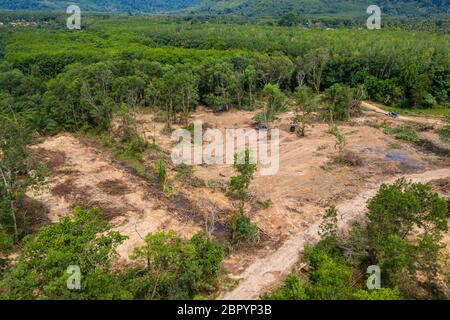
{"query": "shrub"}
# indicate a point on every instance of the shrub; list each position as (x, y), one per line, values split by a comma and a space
(396, 214)
(265, 204)
(379, 294)
(340, 142)
(406, 222)
(83, 239)
(209, 252)
(306, 106)
(239, 184)
(242, 229)
(172, 268)
(293, 289)
(330, 275)
(161, 174)
(329, 278)
(342, 102)
(275, 102)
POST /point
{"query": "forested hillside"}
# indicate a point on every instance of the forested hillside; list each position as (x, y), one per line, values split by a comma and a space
(321, 7)
(242, 7)
(134, 6)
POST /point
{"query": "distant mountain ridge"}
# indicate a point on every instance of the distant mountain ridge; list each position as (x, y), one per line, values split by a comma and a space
(134, 6)
(322, 7)
(240, 7)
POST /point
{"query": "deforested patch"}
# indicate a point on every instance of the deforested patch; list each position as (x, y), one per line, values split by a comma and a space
(52, 159)
(114, 187)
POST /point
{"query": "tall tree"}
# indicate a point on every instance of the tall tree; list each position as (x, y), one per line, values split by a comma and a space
(275, 102)
(317, 59)
(16, 175)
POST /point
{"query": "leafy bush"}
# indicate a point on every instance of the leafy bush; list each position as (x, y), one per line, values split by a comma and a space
(6, 242)
(402, 235)
(292, 289)
(161, 174)
(265, 204)
(379, 294)
(172, 268)
(131, 142)
(341, 142)
(275, 102)
(329, 278)
(395, 214)
(242, 229)
(239, 184)
(342, 102)
(305, 100)
(330, 275)
(83, 240)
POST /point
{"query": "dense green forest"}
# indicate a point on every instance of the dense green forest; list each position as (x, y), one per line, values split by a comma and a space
(320, 7)
(54, 80)
(135, 6)
(42, 66)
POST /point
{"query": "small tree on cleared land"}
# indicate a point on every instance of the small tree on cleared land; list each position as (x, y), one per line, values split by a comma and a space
(315, 62)
(274, 102)
(341, 142)
(306, 106)
(342, 102)
(161, 174)
(242, 229)
(239, 184)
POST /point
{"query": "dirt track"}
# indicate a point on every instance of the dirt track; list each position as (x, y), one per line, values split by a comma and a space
(263, 273)
(424, 120)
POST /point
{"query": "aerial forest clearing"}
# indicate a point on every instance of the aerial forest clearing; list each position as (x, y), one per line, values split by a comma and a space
(85, 173)
(355, 124)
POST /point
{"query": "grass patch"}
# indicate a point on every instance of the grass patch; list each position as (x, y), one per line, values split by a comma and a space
(216, 184)
(131, 160)
(444, 133)
(186, 175)
(409, 134)
(437, 111)
(264, 204)
(405, 133)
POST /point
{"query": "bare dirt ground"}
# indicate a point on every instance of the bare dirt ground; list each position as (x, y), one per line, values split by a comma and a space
(82, 176)
(263, 273)
(307, 183)
(307, 179)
